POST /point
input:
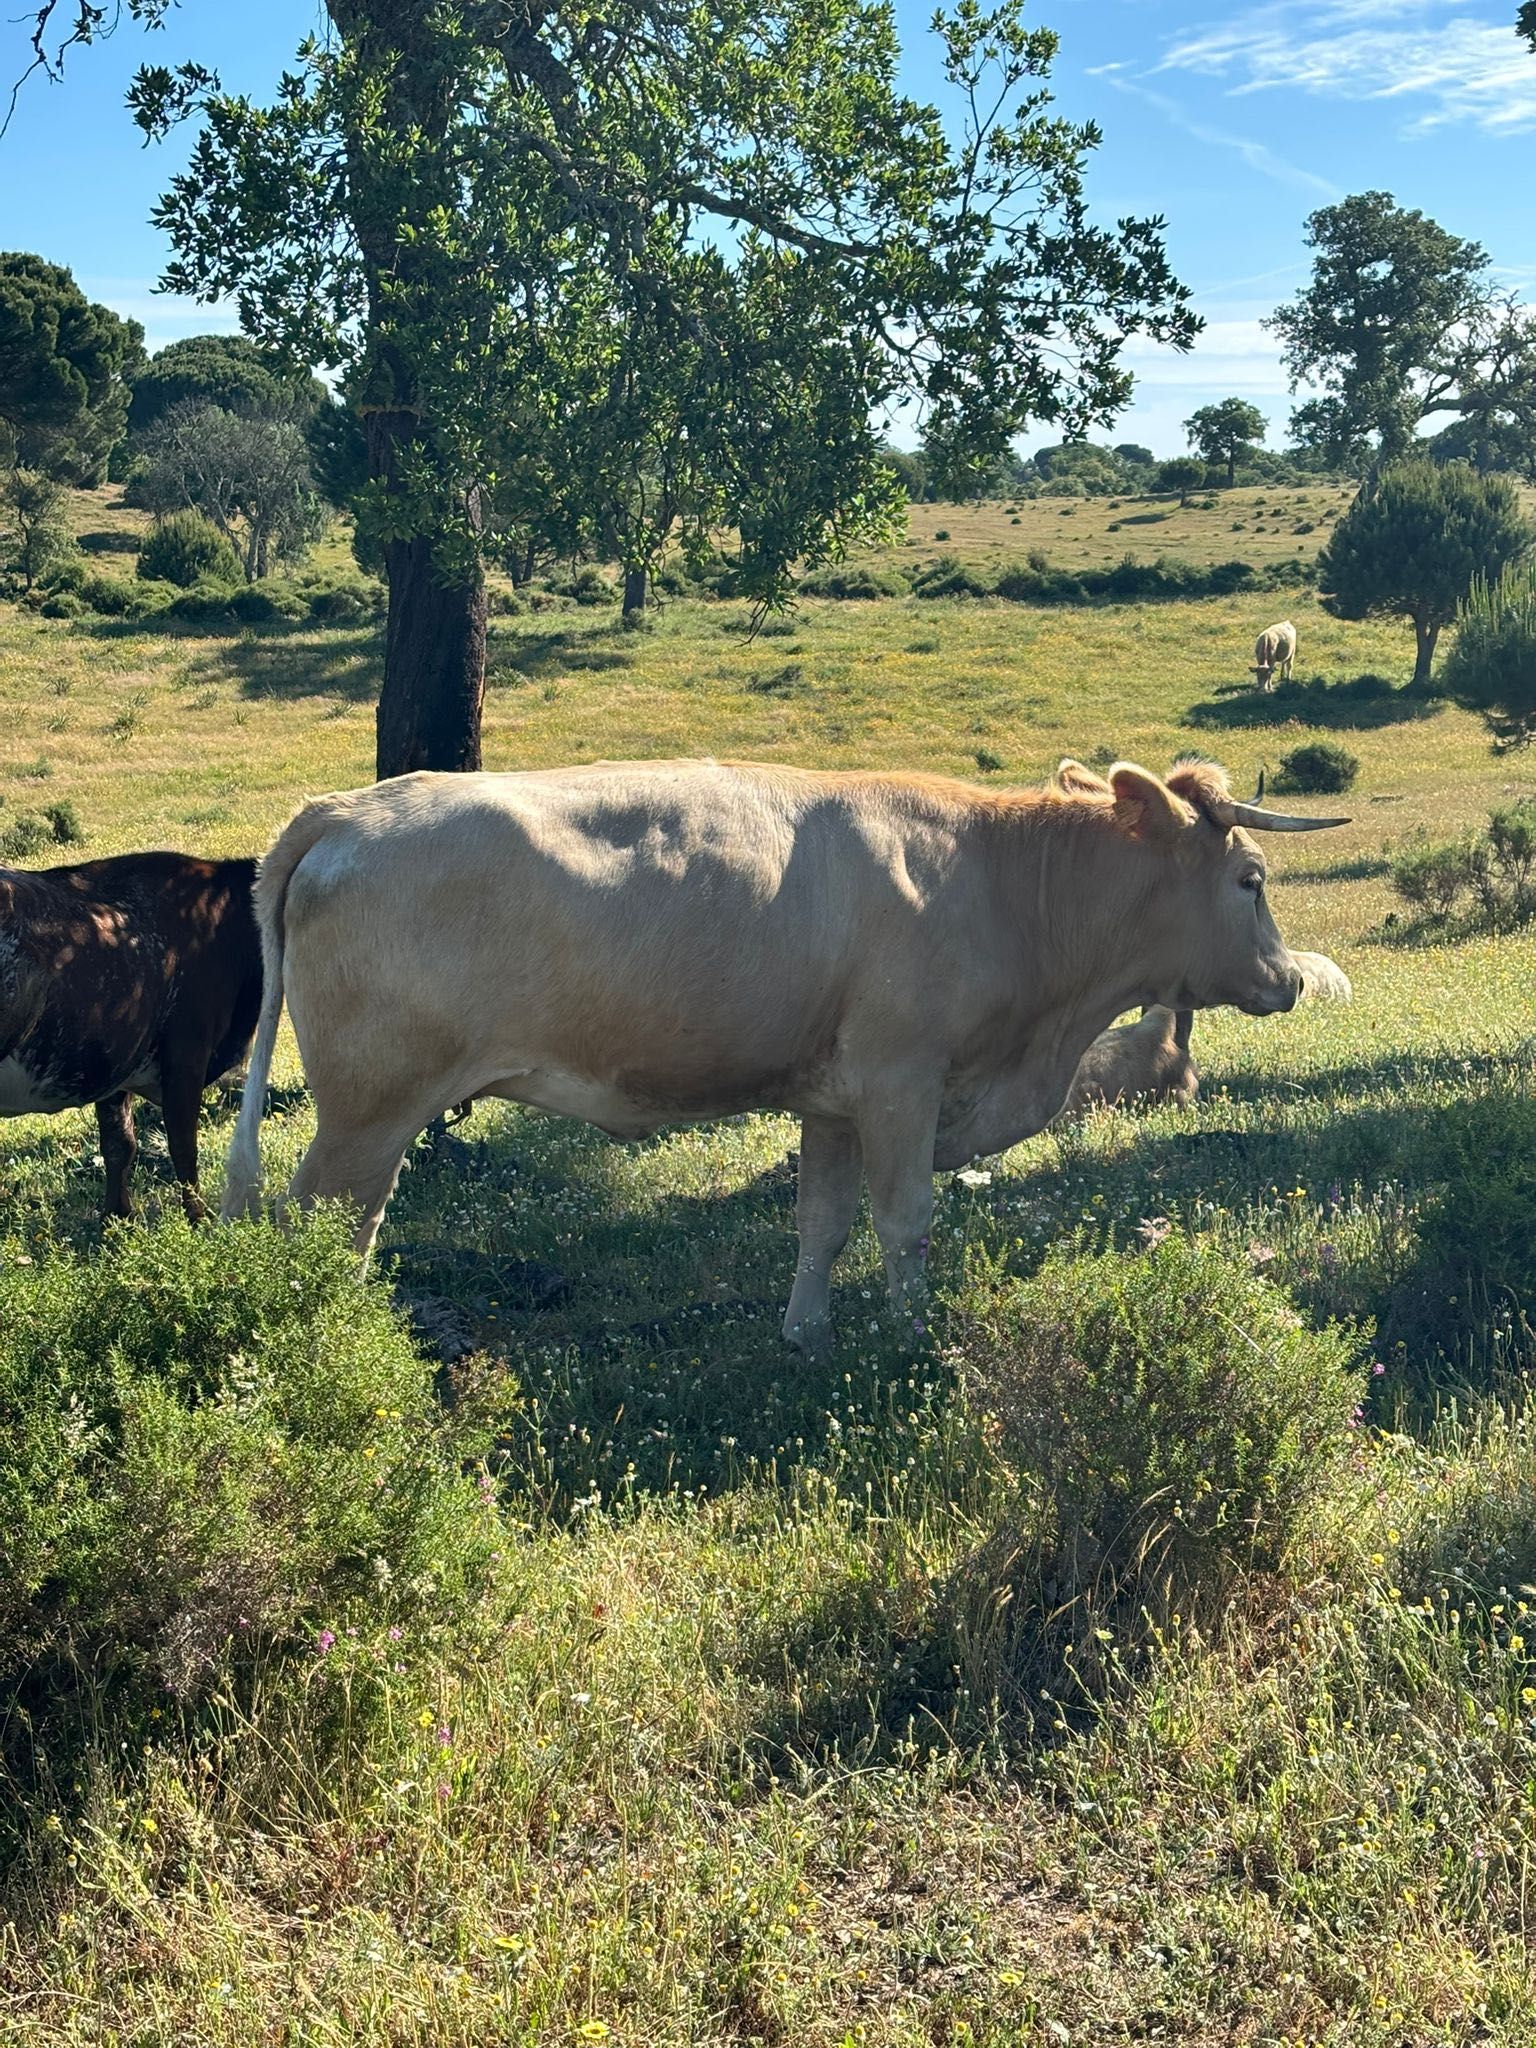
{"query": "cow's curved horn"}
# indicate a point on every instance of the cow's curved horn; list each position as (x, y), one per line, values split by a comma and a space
(1258, 794)
(1259, 820)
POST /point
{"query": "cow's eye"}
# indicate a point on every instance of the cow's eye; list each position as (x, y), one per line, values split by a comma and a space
(1254, 884)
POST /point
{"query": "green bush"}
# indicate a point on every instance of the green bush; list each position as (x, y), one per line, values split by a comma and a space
(63, 821)
(1322, 768)
(1472, 1294)
(62, 604)
(185, 549)
(585, 586)
(1492, 871)
(216, 604)
(23, 837)
(1168, 1410)
(345, 604)
(218, 1443)
(950, 577)
(1491, 668)
(857, 583)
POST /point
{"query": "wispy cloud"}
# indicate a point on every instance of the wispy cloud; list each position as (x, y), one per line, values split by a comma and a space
(1257, 155)
(1444, 70)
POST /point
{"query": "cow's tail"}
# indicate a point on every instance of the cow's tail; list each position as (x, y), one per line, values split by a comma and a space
(242, 1169)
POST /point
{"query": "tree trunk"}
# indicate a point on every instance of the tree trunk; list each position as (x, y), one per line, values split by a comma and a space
(1427, 632)
(1231, 467)
(636, 586)
(434, 665)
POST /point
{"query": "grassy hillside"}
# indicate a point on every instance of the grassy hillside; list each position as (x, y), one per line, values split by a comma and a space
(731, 1704)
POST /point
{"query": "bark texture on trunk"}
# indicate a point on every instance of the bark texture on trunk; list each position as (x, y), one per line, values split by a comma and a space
(636, 587)
(1427, 633)
(434, 666)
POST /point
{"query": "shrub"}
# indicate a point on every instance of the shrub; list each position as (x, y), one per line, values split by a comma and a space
(949, 577)
(24, 837)
(1169, 1410)
(1491, 668)
(345, 604)
(1432, 879)
(63, 821)
(1494, 868)
(184, 548)
(941, 533)
(988, 762)
(218, 1443)
(860, 582)
(62, 604)
(1322, 768)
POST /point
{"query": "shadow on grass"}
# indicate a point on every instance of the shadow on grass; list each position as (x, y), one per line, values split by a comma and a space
(555, 651)
(110, 541)
(1362, 867)
(1361, 705)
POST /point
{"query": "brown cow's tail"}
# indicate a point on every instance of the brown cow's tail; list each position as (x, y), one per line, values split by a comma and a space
(242, 1169)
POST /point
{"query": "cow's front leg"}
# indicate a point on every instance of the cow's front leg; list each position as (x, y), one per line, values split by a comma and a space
(898, 1139)
(119, 1146)
(826, 1199)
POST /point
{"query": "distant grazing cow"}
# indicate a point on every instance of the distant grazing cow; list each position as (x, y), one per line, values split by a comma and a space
(913, 966)
(1274, 649)
(134, 976)
(1149, 1061)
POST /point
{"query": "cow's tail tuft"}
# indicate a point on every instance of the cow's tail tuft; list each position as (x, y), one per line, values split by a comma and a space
(242, 1169)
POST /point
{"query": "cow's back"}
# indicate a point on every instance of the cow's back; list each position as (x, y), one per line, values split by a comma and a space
(689, 935)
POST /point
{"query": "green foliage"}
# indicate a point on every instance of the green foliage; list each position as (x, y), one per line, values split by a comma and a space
(536, 298)
(1321, 768)
(1169, 1407)
(217, 1444)
(65, 366)
(1491, 668)
(223, 370)
(250, 477)
(41, 544)
(1183, 476)
(1473, 1291)
(1413, 544)
(184, 548)
(1226, 433)
(23, 837)
(861, 581)
(1398, 320)
(1492, 872)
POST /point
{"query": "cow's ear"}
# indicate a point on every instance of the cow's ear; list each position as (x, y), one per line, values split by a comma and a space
(1076, 780)
(1146, 808)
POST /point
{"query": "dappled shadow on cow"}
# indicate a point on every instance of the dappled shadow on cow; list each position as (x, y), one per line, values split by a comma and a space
(912, 966)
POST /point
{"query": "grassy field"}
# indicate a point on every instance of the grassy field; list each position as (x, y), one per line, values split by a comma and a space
(726, 1746)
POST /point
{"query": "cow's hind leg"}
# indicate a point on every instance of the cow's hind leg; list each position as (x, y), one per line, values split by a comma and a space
(827, 1198)
(181, 1102)
(357, 1161)
(898, 1163)
(119, 1148)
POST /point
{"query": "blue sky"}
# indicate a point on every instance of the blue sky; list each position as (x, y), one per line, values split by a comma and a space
(1233, 121)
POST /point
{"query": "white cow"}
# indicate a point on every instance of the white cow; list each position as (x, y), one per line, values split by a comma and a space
(1274, 649)
(912, 966)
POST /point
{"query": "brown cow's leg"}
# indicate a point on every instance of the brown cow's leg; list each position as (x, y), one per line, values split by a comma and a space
(181, 1100)
(898, 1163)
(827, 1199)
(119, 1145)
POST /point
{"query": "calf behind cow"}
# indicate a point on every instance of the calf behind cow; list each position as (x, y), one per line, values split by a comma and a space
(911, 966)
(1150, 1061)
(139, 975)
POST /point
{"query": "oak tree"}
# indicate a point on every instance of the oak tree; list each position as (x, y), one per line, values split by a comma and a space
(651, 271)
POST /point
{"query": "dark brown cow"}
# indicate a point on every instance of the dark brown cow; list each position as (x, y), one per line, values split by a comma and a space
(139, 975)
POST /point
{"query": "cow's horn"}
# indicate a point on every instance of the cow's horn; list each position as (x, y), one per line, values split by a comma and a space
(1258, 794)
(1259, 820)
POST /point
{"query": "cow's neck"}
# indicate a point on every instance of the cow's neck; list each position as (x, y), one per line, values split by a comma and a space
(1083, 901)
